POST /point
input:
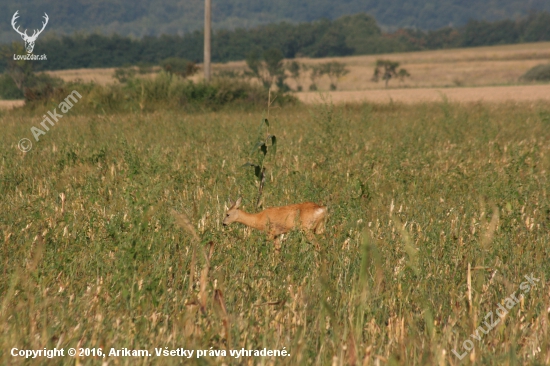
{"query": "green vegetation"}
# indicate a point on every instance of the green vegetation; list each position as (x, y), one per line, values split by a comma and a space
(265, 143)
(358, 34)
(387, 70)
(164, 91)
(91, 255)
(538, 73)
(8, 88)
(295, 69)
(269, 70)
(315, 73)
(168, 89)
(123, 74)
(179, 66)
(335, 71)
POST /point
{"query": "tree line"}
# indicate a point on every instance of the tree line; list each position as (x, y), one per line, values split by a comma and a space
(357, 34)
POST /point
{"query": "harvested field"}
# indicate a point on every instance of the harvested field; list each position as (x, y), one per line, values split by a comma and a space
(481, 66)
(518, 93)
(9, 104)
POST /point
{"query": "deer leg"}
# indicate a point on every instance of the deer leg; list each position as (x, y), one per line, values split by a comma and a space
(276, 240)
(311, 238)
(319, 227)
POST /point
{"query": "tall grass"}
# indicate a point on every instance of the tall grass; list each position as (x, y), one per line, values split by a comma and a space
(437, 212)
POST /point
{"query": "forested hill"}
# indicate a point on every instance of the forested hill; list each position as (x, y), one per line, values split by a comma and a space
(148, 17)
(357, 34)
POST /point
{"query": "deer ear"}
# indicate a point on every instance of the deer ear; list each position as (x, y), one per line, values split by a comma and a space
(238, 203)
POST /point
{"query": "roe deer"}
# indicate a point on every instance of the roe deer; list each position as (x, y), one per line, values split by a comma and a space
(275, 221)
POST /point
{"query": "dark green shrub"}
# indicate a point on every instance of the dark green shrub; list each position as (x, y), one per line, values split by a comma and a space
(538, 73)
(8, 89)
(40, 86)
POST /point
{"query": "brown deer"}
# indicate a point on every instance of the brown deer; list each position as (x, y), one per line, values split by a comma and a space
(275, 221)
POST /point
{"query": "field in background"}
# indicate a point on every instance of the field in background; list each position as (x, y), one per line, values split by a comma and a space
(482, 66)
(9, 104)
(493, 94)
(437, 212)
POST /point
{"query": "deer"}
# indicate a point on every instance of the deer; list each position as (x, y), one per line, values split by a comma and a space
(29, 41)
(307, 216)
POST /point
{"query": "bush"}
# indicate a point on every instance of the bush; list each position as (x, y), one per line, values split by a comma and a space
(8, 89)
(538, 73)
(123, 74)
(40, 86)
(179, 66)
(167, 91)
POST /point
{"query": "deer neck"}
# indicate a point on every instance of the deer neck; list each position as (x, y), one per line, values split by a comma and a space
(252, 220)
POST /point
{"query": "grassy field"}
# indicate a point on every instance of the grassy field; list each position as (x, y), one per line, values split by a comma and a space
(436, 213)
(480, 66)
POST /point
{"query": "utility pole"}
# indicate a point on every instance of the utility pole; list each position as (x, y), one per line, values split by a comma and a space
(207, 37)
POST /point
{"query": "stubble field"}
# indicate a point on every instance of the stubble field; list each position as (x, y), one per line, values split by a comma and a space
(463, 67)
(437, 211)
(490, 74)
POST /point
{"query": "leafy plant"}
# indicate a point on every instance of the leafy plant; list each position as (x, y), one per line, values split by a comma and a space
(387, 70)
(265, 143)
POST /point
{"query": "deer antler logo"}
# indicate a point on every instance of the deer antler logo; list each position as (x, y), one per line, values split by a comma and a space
(29, 41)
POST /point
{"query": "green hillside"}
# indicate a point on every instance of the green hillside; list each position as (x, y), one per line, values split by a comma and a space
(143, 17)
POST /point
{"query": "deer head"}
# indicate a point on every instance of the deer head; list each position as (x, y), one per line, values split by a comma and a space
(29, 41)
(233, 213)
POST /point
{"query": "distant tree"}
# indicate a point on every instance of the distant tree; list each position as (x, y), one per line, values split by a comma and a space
(295, 69)
(386, 70)
(257, 68)
(315, 72)
(537, 27)
(274, 63)
(332, 43)
(335, 70)
(270, 70)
